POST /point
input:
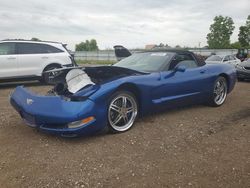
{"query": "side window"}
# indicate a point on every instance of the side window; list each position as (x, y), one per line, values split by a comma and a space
(232, 57)
(51, 49)
(33, 48)
(183, 59)
(29, 48)
(226, 58)
(7, 48)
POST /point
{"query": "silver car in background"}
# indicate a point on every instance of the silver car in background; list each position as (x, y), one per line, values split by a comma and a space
(228, 59)
(243, 70)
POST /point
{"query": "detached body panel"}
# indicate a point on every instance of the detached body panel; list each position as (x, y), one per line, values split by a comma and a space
(53, 113)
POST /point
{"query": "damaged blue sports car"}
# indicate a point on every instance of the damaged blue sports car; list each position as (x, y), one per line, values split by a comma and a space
(86, 100)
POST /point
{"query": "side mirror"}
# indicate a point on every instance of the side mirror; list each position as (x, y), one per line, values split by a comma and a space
(180, 68)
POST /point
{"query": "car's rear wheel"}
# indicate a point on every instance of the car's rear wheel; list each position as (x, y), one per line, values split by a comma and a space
(122, 111)
(219, 94)
(47, 78)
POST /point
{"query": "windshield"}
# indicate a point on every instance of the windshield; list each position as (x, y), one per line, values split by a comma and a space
(214, 58)
(146, 62)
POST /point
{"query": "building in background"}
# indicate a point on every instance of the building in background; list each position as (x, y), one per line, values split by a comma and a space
(150, 46)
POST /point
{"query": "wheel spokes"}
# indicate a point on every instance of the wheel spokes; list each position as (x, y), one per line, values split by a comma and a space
(219, 89)
(115, 108)
(129, 110)
(124, 102)
(117, 119)
(220, 92)
(125, 118)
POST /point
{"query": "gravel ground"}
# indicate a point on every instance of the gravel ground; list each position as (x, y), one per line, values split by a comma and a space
(195, 146)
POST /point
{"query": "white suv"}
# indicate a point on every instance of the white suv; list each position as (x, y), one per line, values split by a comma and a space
(20, 59)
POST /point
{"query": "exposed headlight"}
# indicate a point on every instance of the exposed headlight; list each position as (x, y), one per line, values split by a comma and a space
(78, 98)
(80, 123)
(74, 98)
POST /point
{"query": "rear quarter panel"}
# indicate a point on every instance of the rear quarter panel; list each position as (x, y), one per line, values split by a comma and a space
(227, 70)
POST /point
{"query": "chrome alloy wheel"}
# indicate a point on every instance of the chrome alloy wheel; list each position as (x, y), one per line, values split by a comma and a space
(122, 112)
(220, 91)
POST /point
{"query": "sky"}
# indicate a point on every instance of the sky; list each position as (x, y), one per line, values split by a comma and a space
(131, 23)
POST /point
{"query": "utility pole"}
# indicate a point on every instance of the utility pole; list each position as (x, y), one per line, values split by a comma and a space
(199, 47)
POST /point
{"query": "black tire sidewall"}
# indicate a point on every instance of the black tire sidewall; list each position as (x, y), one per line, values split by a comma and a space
(50, 67)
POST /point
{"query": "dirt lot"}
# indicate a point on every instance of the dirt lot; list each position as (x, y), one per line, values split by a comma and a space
(196, 146)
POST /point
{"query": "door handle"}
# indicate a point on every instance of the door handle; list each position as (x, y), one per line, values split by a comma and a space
(11, 58)
(45, 57)
(202, 71)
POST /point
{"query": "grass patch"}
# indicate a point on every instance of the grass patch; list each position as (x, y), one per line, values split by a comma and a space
(95, 62)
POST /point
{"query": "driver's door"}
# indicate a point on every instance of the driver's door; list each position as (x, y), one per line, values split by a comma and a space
(184, 81)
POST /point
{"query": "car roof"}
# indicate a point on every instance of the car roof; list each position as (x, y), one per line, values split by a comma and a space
(30, 41)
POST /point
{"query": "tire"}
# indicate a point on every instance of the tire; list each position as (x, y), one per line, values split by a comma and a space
(219, 93)
(122, 111)
(48, 77)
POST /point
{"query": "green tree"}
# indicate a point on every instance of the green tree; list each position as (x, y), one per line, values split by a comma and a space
(220, 32)
(244, 34)
(236, 45)
(87, 46)
(93, 45)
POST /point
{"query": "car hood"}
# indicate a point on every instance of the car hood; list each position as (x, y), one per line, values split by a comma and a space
(75, 79)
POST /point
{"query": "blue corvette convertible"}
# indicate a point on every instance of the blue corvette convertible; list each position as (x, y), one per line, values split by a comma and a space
(86, 100)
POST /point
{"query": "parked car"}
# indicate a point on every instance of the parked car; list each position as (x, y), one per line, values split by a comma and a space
(243, 70)
(243, 54)
(89, 99)
(20, 59)
(229, 59)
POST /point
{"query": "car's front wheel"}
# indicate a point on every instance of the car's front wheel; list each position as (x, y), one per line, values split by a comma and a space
(122, 111)
(219, 94)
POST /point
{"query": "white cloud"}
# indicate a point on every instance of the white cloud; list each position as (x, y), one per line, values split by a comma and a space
(128, 22)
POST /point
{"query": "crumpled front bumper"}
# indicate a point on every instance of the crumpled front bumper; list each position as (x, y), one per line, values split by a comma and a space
(52, 113)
